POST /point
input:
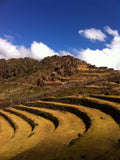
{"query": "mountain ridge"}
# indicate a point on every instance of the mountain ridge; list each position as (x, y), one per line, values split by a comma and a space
(49, 68)
(28, 79)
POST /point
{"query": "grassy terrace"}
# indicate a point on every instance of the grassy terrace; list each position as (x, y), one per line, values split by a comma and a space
(40, 113)
(66, 128)
(9, 120)
(26, 138)
(73, 110)
(109, 98)
(30, 121)
(7, 129)
(108, 108)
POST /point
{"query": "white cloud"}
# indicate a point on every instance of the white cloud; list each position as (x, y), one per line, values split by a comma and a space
(8, 50)
(111, 32)
(108, 56)
(40, 50)
(93, 34)
(37, 50)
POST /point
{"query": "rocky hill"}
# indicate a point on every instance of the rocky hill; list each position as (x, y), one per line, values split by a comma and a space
(53, 69)
(25, 78)
(64, 66)
(49, 69)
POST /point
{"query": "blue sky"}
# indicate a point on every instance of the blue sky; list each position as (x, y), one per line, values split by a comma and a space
(56, 24)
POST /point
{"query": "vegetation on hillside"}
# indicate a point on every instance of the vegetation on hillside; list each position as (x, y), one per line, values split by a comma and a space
(59, 108)
(28, 79)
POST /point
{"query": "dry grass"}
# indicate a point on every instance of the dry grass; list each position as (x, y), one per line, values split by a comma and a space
(81, 122)
(20, 142)
(15, 93)
(70, 140)
(109, 98)
(6, 131)
(98, 141)
(68, 129)
(28, 120)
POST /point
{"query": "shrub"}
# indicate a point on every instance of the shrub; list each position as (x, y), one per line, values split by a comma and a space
(31, 134)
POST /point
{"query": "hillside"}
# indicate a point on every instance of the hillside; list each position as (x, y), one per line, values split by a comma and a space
(52, 66)
(24, 79)
(60, 108)
(50, 69)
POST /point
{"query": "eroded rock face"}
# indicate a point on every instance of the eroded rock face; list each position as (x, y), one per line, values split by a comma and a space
(68, 65)
(40, 82)
(63, 66)
(50, 69)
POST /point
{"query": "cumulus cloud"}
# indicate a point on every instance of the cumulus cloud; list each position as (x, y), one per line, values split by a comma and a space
(40, 50)
(108, 56)
(8, 50)
(37, 50)
(93, 34)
